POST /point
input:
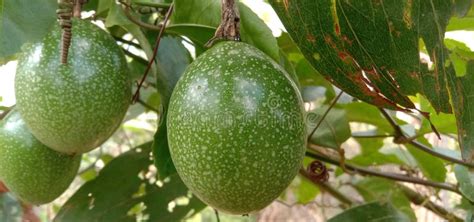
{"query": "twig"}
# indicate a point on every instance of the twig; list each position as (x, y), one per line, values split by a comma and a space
(134, 44)
(347, 202)
(138, 22)
(217, 215)
(424, 201)
(153, 4)
(371, 136)
(426, 149)
(400, 138)
(319, 154)
(155, 52)
(229, 29)
(334, 101)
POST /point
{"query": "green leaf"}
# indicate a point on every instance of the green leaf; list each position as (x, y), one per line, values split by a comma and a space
(23, 21)
(465, 179)
(307, 75)
(459, 86)
(464, 23)
(338, 39)
(373, 189)
(432, 167)
(161, 152)
(199, 34)
(158, 198)
(366, 113)
(109, 196)
(375, 211)
(333, 131)
(255, 32)
(462, 89)
(370, 153)
(304, 190)
(460, 55)
(122, 185)
(444, 123)
(469, 216)
(253, 29)
(10, 208)
(461, 7)
(174, 58)
(115, 15)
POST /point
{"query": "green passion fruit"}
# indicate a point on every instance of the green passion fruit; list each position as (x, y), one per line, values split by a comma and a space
(73, 107)
(236, 128)
(31, 170)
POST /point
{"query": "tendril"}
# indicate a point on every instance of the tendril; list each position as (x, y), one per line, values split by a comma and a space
(318, 171)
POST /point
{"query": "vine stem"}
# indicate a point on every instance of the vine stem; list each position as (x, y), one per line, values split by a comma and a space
(154, 4)
(321, 154)
(138, 22)
(333, 103)
(400, 138)
(424, 201)
(155, 52)
(78, 8)
(229, 29)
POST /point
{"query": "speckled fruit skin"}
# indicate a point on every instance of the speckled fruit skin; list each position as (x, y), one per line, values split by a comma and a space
(73, 108)
(236, 128)
(32, 171)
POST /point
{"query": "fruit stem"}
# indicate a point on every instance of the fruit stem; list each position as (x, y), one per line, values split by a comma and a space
(64, 13)
(78, 7)
(229, 29)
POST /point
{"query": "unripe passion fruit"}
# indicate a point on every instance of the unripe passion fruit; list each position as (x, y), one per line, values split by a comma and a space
(31, 170)
(236, 128)
(74, 107)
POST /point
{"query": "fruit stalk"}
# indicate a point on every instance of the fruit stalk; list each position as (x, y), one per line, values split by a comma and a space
(64, 13)
(78, 7)
(229, 29)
